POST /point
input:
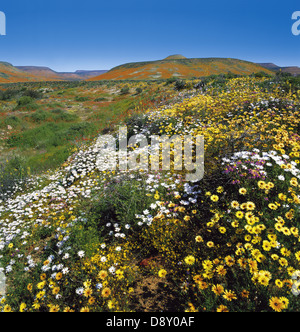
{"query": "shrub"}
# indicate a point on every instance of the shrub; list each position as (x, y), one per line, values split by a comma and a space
(122, 200)
(34, 94)
(62, 115)
(40, 116)
(180, 85)
(171, 80)
(25, 100)
(139, 90)
(80, 99)
(125, 91)
(100, 99)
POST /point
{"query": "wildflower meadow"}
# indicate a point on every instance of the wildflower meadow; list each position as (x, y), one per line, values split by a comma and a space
(78, 239)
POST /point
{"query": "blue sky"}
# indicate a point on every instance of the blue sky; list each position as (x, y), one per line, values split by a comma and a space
(67, 35)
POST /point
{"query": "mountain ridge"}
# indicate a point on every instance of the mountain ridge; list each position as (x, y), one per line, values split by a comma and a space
(181, 67)
(18, 74)
(46, 72)
(177, 66)
(293, 70)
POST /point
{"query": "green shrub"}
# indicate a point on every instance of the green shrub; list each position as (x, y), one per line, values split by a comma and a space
(11, 120)
(39, 116)
(100, 99)
(34, 94)
(120, 203)
(81, 99)
(125, 91)
(139, 91)
(7, 94)
(62, 115)
(180, 85)
(25, 100)
(171, 80)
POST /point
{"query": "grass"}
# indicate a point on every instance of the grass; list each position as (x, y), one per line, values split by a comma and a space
(44, 128)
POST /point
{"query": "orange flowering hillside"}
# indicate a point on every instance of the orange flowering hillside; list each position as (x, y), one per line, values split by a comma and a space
(10, 74)
(180, 67)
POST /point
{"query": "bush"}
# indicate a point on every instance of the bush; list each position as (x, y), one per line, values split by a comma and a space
(39, 116)
(34, 94)
(122, 200)
(80, 99)
(125, 91)
(171, 80)
(12, 120)
(180, 85)
(7, 94)
(139, 90)
(62, 115)
(25, 100)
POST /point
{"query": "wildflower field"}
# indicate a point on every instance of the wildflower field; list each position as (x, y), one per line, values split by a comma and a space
(74, 239)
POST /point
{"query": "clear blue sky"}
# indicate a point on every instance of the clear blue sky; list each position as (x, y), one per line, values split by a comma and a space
(94, 34)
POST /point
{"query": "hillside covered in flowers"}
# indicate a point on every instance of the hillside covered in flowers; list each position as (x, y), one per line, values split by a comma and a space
(77, 239)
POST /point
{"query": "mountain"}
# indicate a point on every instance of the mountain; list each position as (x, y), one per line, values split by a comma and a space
(46, 73)
(85, 74)
(294, 70)
(175, 57)
(11, 74)
(14, 74)
(181, 67)
(270, 66)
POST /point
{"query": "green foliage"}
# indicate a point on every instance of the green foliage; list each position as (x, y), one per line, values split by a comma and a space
(17, 92)
(13, 176)
(125, 90)
(25, 100)
(139, 90)
(51, 135)
(180, 85)
(53, 115)
(81, 98)
(122, 200)
(100, 99)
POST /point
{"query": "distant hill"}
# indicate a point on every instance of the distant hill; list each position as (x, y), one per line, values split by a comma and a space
(46, 73)
(294, 70)
(181, 67)
(14, 74)
(84, 74)
(175, 57)
(11, 74)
